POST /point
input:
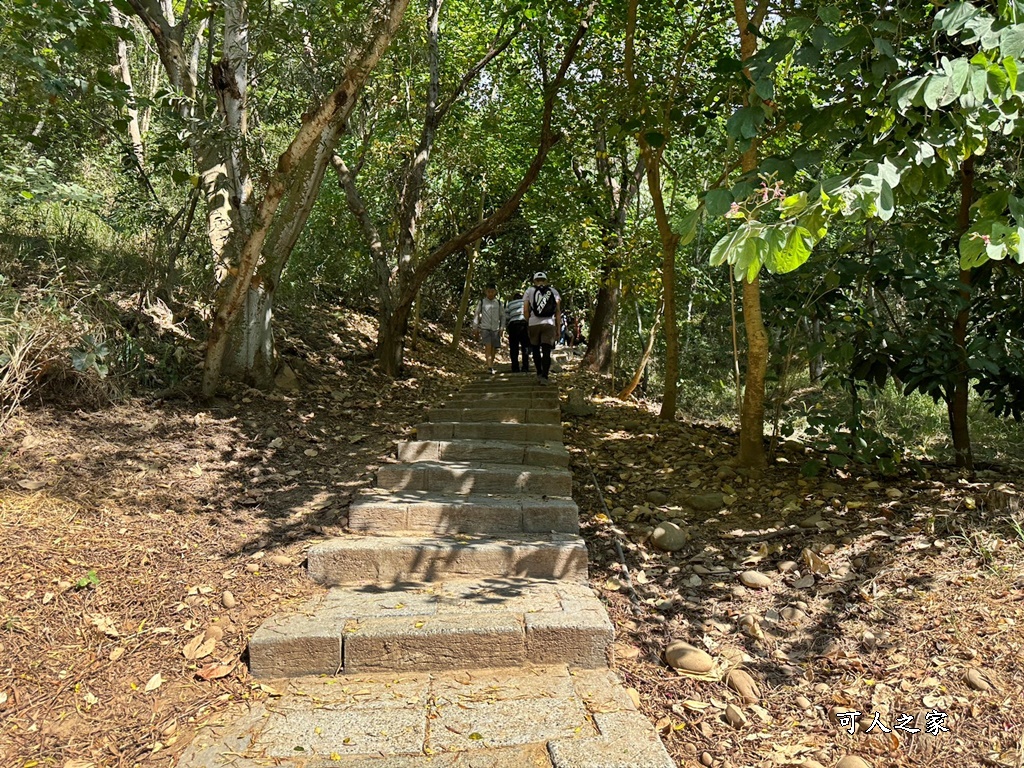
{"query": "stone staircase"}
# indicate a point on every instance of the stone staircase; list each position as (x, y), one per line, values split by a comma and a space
(458, 628)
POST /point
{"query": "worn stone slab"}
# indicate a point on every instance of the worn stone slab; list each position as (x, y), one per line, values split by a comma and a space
(456, 719)
(627, 740)
(507, 431)
(463, 478)
(345, 730)
(387, 559)
(499, 414)
(423, 512)
(474, 640)
(505, 708)
(549, 454)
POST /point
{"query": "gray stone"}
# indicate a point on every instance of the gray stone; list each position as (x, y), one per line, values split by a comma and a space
(627, 740)
(657, 498)
(669, 537)
(706, 502)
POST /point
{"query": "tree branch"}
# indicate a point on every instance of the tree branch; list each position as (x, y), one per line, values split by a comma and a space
(548, 139)
(493, 52)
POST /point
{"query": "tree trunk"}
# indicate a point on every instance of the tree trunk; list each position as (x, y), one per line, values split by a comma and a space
(467, 288)
(752, 414)
(333, 110)
(598, 357)
(391, 340)
(134, 130)
(752, 453)
(957, 405)
(669, 239)
(641, 367)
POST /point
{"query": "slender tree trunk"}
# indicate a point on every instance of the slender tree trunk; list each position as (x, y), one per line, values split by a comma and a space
(125, 70)
(641, 367)
(752, 453)
(957, 405)
(472, 253)
(669, 239)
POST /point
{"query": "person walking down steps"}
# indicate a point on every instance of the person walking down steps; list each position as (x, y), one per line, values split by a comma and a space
(518, 334)
(489, 322)
(543, 309)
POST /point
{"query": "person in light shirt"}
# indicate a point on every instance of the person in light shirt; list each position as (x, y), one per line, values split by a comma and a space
(488, 323)
(542, 305)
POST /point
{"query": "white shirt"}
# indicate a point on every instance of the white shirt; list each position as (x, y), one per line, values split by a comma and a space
(490, 315)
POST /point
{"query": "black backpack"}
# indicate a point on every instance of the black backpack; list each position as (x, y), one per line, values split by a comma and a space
(543, 302)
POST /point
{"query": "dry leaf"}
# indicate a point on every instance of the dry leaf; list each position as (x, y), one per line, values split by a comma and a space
(804, 582)
(199, 647)
(32, 485)
(79, 764)
(215, 671)
(814, 563)
(104, 625)
(116, 653)
(154, 682)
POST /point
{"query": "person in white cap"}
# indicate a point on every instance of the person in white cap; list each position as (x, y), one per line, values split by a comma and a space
(542, 306)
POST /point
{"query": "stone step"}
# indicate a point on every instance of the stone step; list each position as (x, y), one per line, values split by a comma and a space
(510, 433)
(465, 478)
(503, 401)
(390, 559)
(551, 454)
(525, 717)
(500, 414)
(418, 627)
(378, 511)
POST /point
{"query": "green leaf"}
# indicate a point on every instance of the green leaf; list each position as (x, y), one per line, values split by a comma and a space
(717, 201)
(744, 122)
(886, 203)
(933, 89)
(799, 243)
(688, 227)
(829, 14)
(727, 247)
(1010, 65)
(1011, 41)
(793, 204)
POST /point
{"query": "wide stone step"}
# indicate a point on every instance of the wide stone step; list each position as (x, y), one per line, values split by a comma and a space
(501, 414)
(378, 511)
(552, 454)
(510, 433)
(503, 401)
(505, 380)
(523, 717)
(392, 559)
(417, 627)
(465, 478)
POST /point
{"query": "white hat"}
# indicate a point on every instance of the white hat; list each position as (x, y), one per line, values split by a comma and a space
(540, 276)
